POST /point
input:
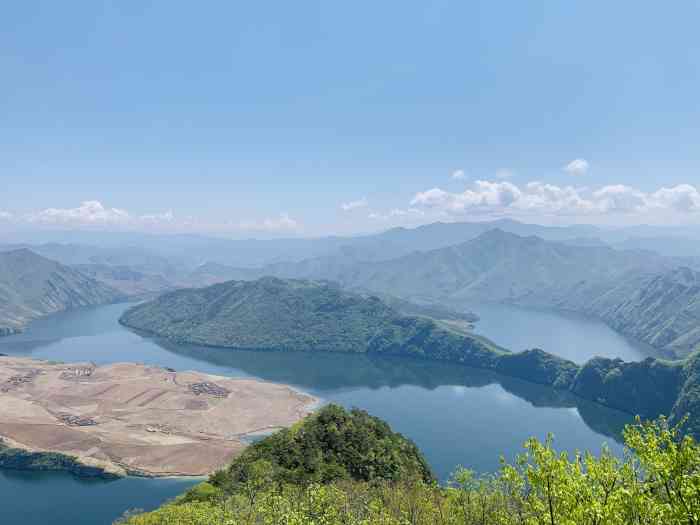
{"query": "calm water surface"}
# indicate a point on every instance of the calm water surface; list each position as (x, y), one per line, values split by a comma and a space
(571, 336)
(456, 415)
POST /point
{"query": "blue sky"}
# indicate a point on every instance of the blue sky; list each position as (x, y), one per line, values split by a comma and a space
(265, 118)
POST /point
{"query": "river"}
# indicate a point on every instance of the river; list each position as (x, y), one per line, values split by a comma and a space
(456, 415)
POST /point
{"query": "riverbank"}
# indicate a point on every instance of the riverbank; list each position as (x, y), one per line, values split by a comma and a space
(21, 459)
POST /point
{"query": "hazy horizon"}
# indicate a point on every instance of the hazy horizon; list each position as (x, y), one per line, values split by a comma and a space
(87, 234)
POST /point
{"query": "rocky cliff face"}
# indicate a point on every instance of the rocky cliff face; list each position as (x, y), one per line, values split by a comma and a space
(32, 286)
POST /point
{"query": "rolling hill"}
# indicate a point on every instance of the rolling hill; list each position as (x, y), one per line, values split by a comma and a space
(277, 314)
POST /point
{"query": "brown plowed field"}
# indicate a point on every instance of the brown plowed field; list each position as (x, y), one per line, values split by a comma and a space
(129, 417)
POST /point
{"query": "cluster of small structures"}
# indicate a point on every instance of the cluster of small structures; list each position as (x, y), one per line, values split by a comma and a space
(76, 421)
(134, 418)
(163, 429)
(77, 373)
(19, 380)
(211, 389)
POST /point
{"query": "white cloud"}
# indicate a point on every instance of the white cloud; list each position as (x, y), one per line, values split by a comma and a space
(5, 215)
(618, 198)
(458, 175)
(537, 198)
(682, 198)
(577, 167)
(483, 195)
(88, 213)
(94, 215)
(354, 205)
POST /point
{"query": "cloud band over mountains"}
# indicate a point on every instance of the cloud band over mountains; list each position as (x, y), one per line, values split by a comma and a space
(538, 198)
(483, 199)
(94, 214)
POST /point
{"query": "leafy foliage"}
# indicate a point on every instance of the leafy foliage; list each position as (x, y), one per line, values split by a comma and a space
(18, 459)
(330, 445)
(658, 482)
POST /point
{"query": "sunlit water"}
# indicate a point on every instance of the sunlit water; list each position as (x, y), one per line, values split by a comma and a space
(456, 415)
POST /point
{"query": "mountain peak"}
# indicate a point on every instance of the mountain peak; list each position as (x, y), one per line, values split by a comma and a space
(499, 235)
(22, 253)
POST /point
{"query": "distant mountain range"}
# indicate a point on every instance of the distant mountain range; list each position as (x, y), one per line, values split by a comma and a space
(32, 286)
(639, 293)
(126, 280)
(575, 268)
(496, 266)
(167, 254)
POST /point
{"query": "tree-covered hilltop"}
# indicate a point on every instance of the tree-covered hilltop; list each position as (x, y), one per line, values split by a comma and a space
(323, 478)
(288, 314)
(330, 445)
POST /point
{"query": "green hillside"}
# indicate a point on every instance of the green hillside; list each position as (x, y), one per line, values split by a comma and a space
(277, 314)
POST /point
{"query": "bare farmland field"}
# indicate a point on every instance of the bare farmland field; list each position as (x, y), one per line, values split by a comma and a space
(133, 418)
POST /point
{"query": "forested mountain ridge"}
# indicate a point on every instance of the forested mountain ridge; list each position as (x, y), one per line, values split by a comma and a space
(125, 279)
(32, 286)
(496, 266)
(664, 312)
(277, 314)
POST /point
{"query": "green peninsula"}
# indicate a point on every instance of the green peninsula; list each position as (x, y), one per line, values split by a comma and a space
(300, 315)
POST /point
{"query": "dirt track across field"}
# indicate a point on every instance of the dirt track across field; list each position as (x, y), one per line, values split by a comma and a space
(132, 418)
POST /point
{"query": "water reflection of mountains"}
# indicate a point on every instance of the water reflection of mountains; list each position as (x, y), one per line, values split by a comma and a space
(26, 347)
(321, 372)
